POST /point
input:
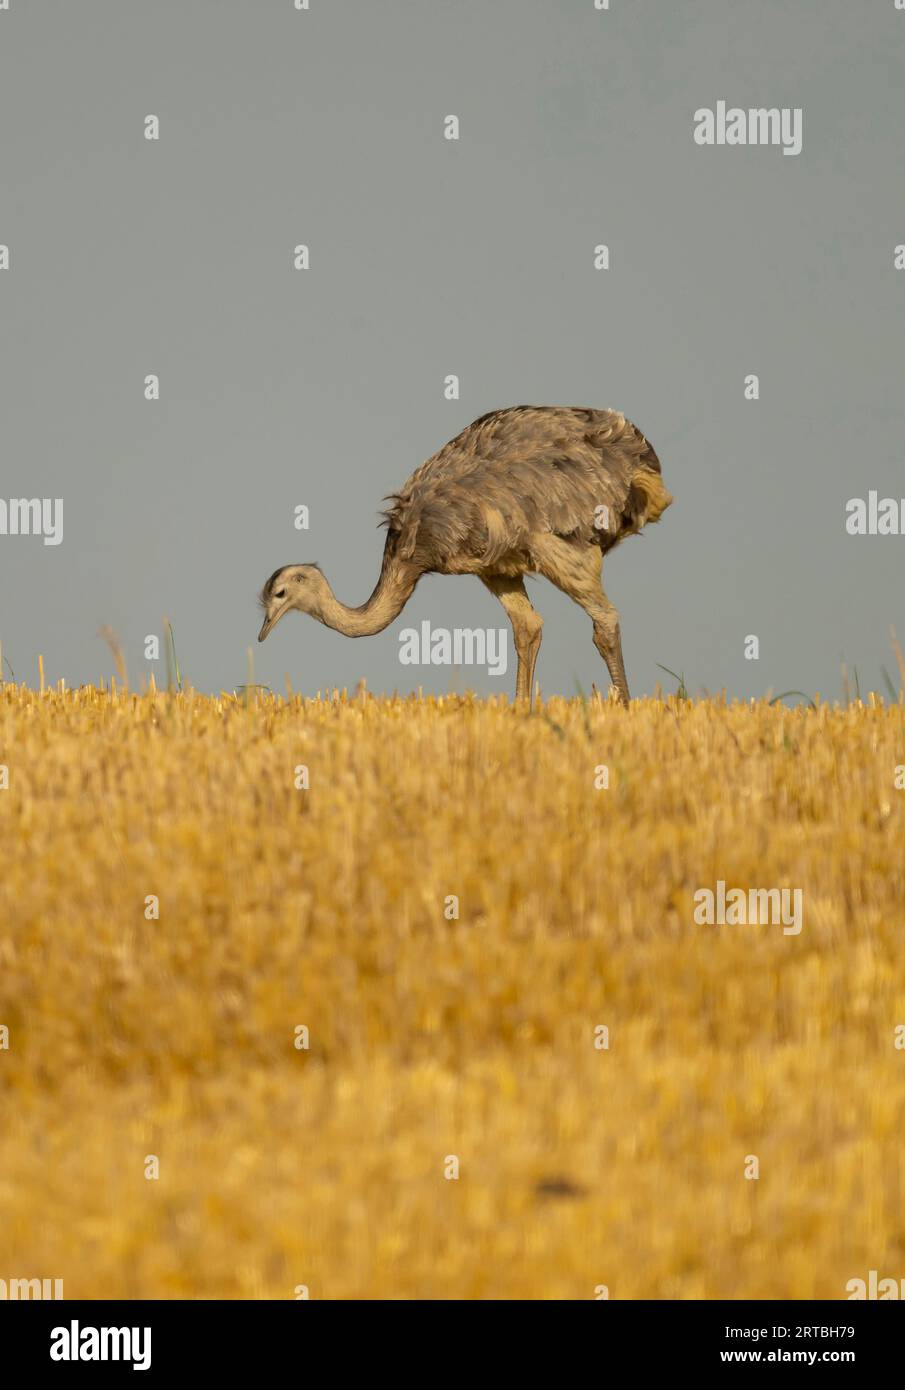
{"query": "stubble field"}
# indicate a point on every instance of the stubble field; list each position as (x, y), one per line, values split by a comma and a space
(432, 1037)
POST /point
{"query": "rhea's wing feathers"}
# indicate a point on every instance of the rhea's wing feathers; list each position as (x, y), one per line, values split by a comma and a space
(523, 470)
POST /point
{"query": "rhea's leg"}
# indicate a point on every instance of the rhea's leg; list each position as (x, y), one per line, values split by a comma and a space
(527, 626)
(577, 569)
(608, 641)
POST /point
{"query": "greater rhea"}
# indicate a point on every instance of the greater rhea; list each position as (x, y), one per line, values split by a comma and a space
(543, 490)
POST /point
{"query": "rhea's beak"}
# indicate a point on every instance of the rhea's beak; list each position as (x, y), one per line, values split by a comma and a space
(270, 622)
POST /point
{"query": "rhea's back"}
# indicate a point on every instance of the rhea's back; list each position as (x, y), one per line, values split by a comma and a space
(526, 470)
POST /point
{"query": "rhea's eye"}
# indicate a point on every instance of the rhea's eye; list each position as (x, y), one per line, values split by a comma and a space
(281, 594)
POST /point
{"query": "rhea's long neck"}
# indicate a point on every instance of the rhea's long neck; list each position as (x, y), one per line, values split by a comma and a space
(394, 588)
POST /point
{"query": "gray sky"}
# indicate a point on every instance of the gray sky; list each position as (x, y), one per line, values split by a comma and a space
(325, 387)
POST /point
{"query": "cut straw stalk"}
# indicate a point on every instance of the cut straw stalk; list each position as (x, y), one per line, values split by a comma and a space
(119, 660)
(900, 658)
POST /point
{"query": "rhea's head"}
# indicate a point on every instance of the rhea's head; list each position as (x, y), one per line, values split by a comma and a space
(291, 586)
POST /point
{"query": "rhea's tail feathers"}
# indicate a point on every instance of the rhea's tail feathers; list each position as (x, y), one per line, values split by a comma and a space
(648, 498)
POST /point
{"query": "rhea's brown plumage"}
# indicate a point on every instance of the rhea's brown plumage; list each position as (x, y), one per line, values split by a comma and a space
(528, 490)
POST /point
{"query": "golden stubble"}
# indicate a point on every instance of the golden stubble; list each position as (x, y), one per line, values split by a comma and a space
(431, 1036)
